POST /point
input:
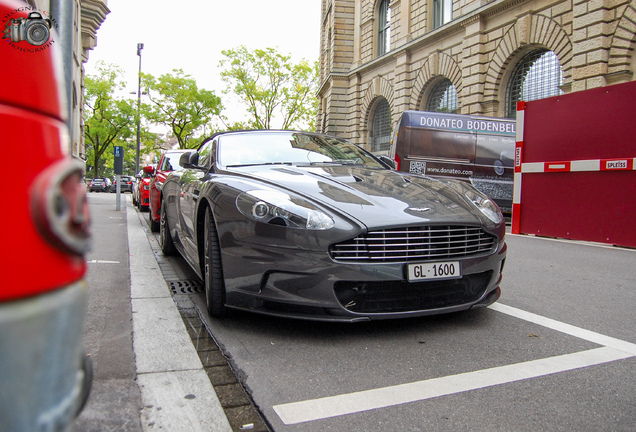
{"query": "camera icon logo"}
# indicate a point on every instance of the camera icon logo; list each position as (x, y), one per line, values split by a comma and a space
(34, 29)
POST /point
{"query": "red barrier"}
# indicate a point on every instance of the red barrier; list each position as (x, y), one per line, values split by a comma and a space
(575, 166)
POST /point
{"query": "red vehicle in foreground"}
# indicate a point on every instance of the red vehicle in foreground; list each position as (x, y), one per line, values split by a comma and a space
(169, 162)
(44, 373)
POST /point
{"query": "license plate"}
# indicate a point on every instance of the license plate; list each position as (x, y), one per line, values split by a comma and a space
(430, 271)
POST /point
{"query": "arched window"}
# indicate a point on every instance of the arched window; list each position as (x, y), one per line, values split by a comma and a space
(381, 127)
(538, 75)
(443, 98)
(384, 28)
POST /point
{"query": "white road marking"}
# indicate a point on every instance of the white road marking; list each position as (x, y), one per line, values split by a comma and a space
(577, 242)
(571, 330)
(102, 262)
(333, 406)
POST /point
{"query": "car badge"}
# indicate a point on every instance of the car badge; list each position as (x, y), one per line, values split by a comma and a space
(420, 209)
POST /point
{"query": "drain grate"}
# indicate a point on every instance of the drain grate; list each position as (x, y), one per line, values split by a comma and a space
(186, 286)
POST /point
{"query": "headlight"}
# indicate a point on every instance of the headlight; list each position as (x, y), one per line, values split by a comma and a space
(486, 206)
(279, 208)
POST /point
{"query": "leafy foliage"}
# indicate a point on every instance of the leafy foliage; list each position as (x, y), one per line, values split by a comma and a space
(272, 87)
(108, 120)
(179, 104)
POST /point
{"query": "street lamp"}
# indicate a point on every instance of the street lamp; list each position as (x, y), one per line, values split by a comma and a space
(140, 46)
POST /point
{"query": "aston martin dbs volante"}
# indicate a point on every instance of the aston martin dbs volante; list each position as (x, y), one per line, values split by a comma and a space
(311, 226)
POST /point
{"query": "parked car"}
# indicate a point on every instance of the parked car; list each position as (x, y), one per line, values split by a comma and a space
(169, 162)
(310, 226)
(44, 373)
(141, 196)
(127, 183)
(100, 184)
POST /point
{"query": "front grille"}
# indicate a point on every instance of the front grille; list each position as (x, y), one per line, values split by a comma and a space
(414, 244)
(403, 296)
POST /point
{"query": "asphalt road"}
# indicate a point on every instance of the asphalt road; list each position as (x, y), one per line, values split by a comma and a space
(556, 353)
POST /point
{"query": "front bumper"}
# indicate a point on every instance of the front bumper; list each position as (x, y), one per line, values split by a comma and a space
(297, 284)
(45, 376)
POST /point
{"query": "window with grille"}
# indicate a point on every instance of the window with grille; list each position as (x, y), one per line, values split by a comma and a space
(384, 28)
(381, 128)
(538, 75)
(443, 98)
(442, 12)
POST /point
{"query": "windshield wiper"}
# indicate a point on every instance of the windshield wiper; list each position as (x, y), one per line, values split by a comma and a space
(258, 164)
(337, 162)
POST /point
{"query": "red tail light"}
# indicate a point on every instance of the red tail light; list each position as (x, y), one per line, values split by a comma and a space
(60, 209)
(398, 162)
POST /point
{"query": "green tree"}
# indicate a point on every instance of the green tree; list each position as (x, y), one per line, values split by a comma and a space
(178, 103)
(273, 88)
(109, 120)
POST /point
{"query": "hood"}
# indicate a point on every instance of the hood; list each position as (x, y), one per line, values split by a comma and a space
(376, 198)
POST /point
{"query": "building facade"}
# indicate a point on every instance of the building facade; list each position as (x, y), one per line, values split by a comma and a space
(75, 23)
(382, 57)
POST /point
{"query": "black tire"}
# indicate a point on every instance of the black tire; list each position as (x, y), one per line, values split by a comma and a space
(154, 226)
(213, 270)
(165, 239)
(87, 381)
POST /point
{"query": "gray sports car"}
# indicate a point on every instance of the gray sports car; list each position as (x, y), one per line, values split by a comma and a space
(311, 226)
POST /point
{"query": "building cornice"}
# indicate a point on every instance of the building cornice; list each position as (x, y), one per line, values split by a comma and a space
(456, 26)
(93, 14)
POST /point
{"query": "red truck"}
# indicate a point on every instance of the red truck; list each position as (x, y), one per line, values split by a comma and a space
(44, 373)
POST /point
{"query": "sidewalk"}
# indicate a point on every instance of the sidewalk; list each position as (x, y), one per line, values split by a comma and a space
(168, 387)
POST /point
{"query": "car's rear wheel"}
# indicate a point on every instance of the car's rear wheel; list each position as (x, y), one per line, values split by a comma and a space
(213, 270)
(165, 239)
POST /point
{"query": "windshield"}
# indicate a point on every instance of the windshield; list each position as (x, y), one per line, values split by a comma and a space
(265, 148)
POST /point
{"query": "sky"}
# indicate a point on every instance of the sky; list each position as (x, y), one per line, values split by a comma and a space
(190, 35)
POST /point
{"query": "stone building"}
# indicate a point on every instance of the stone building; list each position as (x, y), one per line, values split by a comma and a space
(76, 23)
(382, 57)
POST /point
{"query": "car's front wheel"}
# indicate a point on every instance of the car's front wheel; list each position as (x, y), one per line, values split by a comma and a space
(213, 270)
(154, 225)
(165, 239)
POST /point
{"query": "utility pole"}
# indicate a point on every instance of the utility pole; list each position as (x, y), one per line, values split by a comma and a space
(140, 46)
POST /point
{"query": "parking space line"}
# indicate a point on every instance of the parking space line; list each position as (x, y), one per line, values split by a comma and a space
(612, 350)
(317, 409)
(571, 330)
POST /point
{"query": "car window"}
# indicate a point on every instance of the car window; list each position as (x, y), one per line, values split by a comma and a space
(205, 153)
(290, 147)
(171, 162)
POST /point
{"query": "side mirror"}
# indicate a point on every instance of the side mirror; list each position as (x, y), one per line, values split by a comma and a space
(390, 163)
(189, 160)
(149, 170)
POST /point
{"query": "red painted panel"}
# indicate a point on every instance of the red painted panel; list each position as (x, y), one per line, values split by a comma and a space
(592, 124)
(583, 206)
(593, 206)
